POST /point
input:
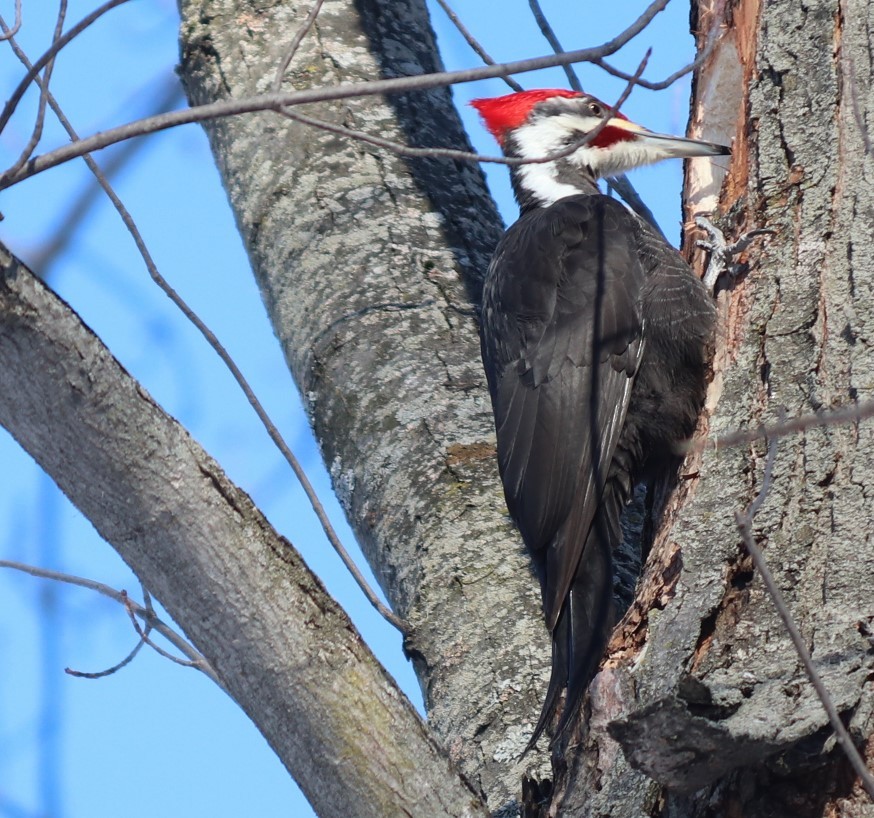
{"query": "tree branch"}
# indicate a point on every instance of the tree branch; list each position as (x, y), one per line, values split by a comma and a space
(210, 337)
(146, 613)
(238, 589)
(273, 101)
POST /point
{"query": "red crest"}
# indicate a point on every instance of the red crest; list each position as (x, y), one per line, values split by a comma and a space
(502, 114)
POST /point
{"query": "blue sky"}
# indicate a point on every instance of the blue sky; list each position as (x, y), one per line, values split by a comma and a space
(155, 738)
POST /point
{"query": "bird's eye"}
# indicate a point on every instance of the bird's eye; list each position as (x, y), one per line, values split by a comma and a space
(596, 109)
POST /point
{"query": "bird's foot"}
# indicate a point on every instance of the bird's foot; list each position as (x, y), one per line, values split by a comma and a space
(721, 252)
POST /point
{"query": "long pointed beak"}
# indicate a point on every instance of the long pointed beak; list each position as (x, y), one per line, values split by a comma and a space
(669, 147)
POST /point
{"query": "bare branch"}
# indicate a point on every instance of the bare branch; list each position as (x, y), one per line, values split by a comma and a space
(620, 184)
(745, 525)
(240, 591)
(834, 417)
(452, 153)
(144, 634)
(56, 46)
(671, 78)
(275, 101)
(77, 210)
(148, 615)
(100, 674)
(17, 25)
(548, 32)
(36, 135)
(295, 43)
(229, 362)
(473, 42)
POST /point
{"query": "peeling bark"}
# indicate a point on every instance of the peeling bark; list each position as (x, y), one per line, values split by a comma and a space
(704, 694)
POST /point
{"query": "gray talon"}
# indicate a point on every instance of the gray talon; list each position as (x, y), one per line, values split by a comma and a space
(721, 252)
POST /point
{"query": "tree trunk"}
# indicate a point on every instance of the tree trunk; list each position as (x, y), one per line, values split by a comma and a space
(704, 692)
(369, 265)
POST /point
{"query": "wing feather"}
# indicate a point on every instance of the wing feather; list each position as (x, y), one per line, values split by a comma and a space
(562, 339)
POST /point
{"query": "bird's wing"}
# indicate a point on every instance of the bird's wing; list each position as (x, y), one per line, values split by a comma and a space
(562, 336)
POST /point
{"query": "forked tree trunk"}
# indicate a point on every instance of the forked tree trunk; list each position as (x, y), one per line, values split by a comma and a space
(370, 266)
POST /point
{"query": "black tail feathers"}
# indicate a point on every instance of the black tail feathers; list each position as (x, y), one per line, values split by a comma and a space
(584, 625)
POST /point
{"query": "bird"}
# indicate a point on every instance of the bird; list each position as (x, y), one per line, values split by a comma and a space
(596, 341)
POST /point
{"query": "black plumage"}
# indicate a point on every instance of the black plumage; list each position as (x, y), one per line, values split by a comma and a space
(595, 341)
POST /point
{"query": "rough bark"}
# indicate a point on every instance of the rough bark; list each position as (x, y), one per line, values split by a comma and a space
(281, 646)
(704, 693)
(369, 266)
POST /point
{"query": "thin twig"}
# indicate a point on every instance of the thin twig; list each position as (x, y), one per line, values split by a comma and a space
(549, 33)
(473, 42)
(100, 674)
(274, 101)
(452, 153)
(229, 362)
(427, 153)
(56, 46)
(45, 83)
(295, 43)
(17, 25)
(744, 522)
(144, 634)
(833, 417)
(671, 78)
(79, 208)
(149, 617)
(621, 184)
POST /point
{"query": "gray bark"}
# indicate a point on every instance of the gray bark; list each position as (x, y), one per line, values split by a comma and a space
(281, 646)
(363, 258)
(706, 695)
(369, 266)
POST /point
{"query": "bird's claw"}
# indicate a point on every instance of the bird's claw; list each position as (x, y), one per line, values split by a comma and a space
(721, 252)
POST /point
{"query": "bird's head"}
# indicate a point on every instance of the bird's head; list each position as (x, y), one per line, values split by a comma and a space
(535, 124)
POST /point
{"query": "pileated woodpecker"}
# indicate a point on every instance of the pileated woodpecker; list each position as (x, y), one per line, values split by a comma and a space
(596, 341)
